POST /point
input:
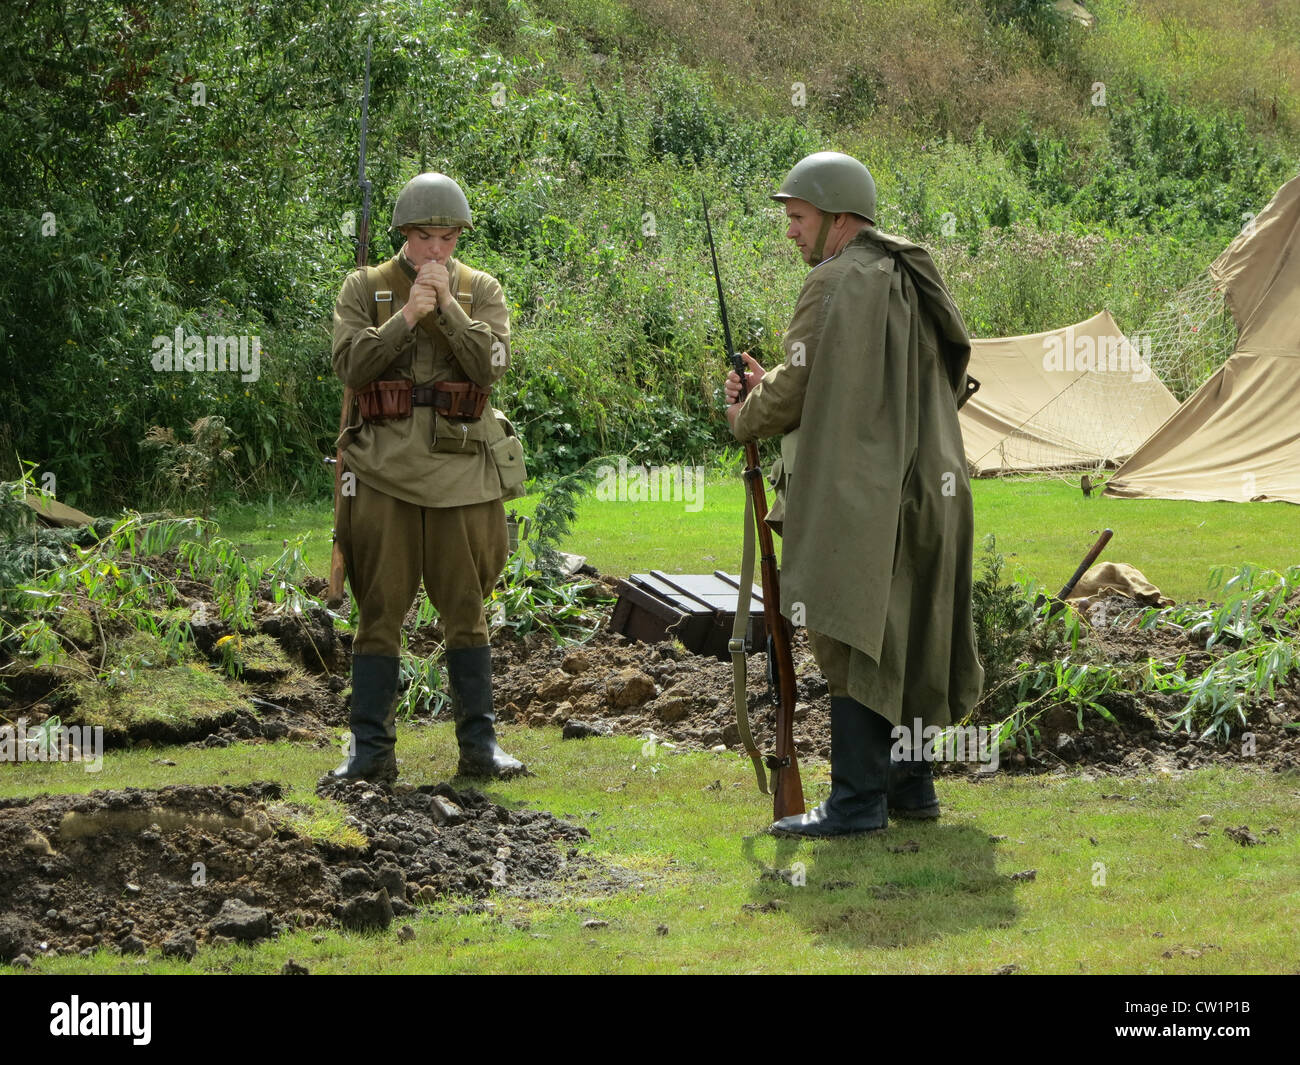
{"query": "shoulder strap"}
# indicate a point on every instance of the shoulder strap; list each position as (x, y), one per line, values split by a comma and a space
(739, 642)
(385, 284)
(465, 278)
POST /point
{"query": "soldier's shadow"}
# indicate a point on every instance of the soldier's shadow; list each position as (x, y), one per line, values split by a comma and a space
(914, 883)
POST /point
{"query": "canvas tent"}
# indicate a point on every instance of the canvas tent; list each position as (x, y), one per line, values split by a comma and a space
(1238, 436)
(1075, 398)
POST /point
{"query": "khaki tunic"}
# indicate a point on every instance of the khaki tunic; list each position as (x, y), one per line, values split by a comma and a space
(878, 522)
(397, 456)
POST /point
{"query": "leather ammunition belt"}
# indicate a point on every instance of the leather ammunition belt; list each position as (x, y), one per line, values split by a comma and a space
(382, 400)
(453, 399)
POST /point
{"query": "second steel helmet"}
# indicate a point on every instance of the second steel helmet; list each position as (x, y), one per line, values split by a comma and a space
(431, 200)
(832, 182)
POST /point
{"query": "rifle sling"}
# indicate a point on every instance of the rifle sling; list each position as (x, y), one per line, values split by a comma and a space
(736, 646)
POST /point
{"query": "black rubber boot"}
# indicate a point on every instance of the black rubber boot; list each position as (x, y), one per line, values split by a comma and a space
(373, 721)
(911, 789)
(860, 742)
(470, 671)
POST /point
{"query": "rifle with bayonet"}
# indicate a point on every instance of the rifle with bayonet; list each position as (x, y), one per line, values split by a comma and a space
(334, 594)
(786, 786)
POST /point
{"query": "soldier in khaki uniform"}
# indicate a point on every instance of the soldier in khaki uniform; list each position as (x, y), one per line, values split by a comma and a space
(874, 498)
(420, 340)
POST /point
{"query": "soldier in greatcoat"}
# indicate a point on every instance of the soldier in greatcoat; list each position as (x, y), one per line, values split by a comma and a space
(874, 499)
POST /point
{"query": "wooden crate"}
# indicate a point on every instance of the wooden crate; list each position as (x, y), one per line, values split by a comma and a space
(696, 608)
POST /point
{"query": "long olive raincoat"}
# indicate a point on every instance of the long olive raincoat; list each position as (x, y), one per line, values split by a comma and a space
(878, 525)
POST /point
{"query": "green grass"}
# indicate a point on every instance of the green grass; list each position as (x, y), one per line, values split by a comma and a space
(181, 696)
(260, 530)
(1044, 527)
(689, 835)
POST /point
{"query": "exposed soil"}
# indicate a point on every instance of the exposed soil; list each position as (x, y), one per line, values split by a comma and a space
(612, 685)
(1139, 741)
(296, 666)
(659, 690)
(178, 868)
(294, 670)
(304, 704)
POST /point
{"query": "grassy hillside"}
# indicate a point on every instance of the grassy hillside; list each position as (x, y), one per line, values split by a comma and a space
(949, 66)
(170, 171)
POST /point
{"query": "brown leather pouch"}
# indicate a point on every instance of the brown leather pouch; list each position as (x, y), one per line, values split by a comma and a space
(460, 399)
(382, 400)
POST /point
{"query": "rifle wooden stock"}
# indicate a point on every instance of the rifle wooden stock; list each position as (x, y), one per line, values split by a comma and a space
(334, 594)
(787, 786)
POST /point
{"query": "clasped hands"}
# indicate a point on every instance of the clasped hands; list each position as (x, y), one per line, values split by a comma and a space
(430, 290)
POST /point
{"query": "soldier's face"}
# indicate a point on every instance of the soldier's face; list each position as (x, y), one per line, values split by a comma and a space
(805, 220)
(430, 244)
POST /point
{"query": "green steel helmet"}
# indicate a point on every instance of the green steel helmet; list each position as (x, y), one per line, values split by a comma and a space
(832, 182)
(431, 200)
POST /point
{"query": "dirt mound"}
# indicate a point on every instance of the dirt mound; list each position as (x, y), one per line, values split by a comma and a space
(613, 685)
(279, 674)
(173, 869)
(1138, 740)
(293, 671)
(617, 685)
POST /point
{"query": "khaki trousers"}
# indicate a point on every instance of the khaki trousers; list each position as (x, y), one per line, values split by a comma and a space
(389, 545)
